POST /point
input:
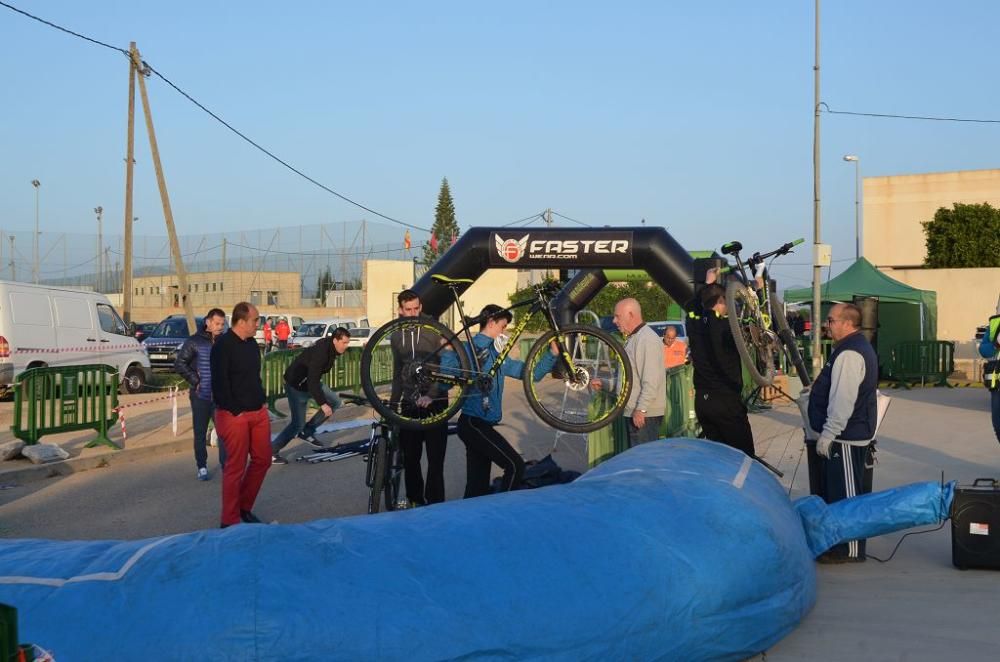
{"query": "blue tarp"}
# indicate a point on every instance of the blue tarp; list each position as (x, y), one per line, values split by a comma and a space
(675, 550)
(679, 550)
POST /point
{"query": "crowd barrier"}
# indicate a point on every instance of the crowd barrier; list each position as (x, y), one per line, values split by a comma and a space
(924, 361)
(679, 420)
(65, 399)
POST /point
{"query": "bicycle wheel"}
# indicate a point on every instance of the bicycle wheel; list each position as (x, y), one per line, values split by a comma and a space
(377, 456)
(403, 361)
(754, 342)
(569, 403)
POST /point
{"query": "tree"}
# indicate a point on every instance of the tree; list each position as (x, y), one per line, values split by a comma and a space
(654, 302)
(324, 283)
(444, 232)
(964, 236)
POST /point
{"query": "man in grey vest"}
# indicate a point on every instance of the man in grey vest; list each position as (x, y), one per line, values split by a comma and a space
(843, 411)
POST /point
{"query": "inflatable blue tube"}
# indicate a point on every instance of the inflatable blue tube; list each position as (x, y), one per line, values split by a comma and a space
(675, 550)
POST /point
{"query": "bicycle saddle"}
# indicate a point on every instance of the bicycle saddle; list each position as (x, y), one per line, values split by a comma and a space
(732, 248)
(440, 278)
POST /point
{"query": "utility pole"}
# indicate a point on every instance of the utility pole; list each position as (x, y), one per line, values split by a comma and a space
(100, 250)
(175, 247)
(548, 217)
(126, 281)
(13, 267)
(817, 358)
(223, 255)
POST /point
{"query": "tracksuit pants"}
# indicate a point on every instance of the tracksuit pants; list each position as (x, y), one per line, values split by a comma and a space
(847, 473)
(413, 442)
(484, 446)
(245, 435)
(723, 417)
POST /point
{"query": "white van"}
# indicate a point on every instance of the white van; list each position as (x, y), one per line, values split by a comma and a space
(47, 326)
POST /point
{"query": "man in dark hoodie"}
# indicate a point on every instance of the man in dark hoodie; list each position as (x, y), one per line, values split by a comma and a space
(302, 381)
(408, 346)
(193, 364)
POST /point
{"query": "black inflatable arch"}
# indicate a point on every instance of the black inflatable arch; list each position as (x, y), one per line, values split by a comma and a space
(587, 250)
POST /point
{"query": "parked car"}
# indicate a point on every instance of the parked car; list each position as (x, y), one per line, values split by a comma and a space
(42, 326)
(361, 335)
(168, 336)
(309, 332)
(143, 329)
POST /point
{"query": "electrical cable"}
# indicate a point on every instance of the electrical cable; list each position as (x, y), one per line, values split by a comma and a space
(147, 69)
(573, 220)
(908, 117)
(522, 220)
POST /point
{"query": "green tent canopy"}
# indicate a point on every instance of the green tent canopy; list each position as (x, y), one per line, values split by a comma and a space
(905, 313)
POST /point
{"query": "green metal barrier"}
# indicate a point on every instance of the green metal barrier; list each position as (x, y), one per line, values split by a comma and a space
(272, 376)
(922, 361)
(679, 420)
(345, 375)
(64, 399)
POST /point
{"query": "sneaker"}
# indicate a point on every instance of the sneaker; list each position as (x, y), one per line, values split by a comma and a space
(311, 440)
(249, 518)
(277, 459)
(203, 474)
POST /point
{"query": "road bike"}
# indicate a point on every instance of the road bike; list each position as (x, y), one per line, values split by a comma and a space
(429, 387)
(756, 314)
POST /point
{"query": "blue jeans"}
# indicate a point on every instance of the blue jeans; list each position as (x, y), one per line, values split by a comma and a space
(201, 414)
(995, 407)
(297, 403)
(648, 432)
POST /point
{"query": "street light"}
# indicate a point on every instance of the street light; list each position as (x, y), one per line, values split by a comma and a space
(857, 203)
(34, 269)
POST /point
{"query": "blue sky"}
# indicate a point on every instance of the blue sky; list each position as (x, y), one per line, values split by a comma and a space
(694, 116)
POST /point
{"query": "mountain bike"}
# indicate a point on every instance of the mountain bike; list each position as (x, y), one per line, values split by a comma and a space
(756, 315)
(383, 464)
(429, 387)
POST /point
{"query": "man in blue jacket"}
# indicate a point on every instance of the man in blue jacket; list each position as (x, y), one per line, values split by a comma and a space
(989, 348)
(484, 446)
(843, 411)
(192, 364)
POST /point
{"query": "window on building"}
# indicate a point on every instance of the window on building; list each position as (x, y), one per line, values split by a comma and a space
(220, 287)
(214, 286)
(255, 297)
(272, 298)
(137, 291)
(196, 287)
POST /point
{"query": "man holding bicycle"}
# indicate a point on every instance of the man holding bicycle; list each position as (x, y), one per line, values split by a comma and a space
(718, 373)
(484, 446)
(408, 346)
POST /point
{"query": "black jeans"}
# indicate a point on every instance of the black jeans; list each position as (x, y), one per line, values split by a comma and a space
(412, 442)
(723, 417)
(484, 446)
(201, 414)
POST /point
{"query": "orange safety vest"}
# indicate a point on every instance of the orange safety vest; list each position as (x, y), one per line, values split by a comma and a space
(674, 354)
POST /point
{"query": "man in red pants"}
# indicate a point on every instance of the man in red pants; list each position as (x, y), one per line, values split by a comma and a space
(241, 415)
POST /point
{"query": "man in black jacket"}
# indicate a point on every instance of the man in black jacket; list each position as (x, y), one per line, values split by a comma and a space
(406, 348)
(241, 415)
(194, 365)
(302, 381)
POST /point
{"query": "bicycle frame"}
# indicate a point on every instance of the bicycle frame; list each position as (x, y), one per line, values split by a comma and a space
(539, 304)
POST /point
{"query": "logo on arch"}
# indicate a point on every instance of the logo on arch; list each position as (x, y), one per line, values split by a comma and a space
(511, 250)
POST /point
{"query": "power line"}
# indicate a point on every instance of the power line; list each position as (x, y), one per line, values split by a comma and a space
(522, 220)
(147, 69)
(573, 220)
(909, 117)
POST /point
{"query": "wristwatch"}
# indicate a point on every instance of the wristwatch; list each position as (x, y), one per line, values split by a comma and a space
(642, 411)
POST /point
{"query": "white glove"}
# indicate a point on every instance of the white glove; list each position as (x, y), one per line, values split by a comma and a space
(823, 446)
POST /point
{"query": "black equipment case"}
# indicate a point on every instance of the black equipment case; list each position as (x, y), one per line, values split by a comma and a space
(975, 525)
